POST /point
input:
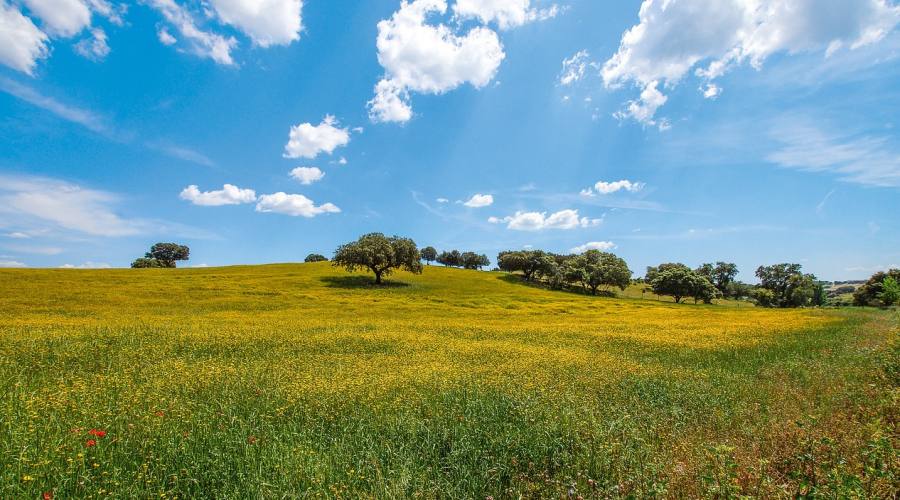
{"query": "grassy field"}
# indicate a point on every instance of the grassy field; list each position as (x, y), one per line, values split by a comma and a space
(301, 380)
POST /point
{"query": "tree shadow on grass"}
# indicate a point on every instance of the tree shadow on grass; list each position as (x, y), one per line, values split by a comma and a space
(359, 282)
(518, 279)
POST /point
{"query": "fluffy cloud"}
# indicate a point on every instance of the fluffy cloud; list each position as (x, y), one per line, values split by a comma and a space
(203, 43)
(506, 13)
(94, 48)
(61, 17)
(22, 44)
(165, 37)
(29, 201)
(479, 200)
(307, 175)
(307, 140)
(593, 245)
(574, 68)
(295, 205)
(675, 36)
(426, 58)
(12, 263)
(537, 221)
(442, 200)
(266, 22)
(604, 187)
(228, 195)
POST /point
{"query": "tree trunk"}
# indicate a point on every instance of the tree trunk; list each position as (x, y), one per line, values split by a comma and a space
(677, 299)
(378, 277)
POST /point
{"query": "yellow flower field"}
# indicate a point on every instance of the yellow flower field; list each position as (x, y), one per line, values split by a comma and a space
(303, 380)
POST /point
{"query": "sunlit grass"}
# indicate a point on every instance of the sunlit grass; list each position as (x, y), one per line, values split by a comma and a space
(302, 380)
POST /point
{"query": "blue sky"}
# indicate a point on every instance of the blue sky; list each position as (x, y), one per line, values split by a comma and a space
(687, 130)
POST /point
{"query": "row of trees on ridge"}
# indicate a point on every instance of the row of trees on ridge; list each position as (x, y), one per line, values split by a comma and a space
(455, 258)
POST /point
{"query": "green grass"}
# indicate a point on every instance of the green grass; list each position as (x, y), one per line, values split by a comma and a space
(302, 380)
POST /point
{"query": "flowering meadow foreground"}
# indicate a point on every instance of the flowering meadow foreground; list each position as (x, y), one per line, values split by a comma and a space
(303, 380)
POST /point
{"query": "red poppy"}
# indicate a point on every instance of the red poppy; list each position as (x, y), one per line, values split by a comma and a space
(48, 495)
(251, 440)
(160, 413)
(90, 442)
(97, 432)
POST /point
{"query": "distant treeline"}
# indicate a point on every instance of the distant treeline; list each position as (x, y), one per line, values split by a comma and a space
(780, 285)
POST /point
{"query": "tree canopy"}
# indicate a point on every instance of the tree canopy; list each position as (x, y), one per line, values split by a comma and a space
(532, 263)
(472, 260)
(870, 293)
(790, 287)
(594, 269)
(720, 274)
(429, 254)
(163, 255)
(451, 259)
(679, 281)
(379, 254)
(315, 257)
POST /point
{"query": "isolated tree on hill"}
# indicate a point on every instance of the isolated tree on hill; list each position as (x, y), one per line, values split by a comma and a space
(429, 255)
(379, 254)
(595, 269)
(790, 287)
(532, 263)
(869, 293)
(144, 263)
(315, 257)
(451, 259)
(472, 260)
(164, 255)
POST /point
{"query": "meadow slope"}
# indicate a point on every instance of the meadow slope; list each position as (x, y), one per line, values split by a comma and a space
(303, 380)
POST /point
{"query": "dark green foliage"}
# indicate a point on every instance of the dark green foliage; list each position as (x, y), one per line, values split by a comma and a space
(870, 293)
(532, 263)
(789, 286)
(450, 259)
(144, 263)
(594, 269)
(429, 254)
(379, 254)
(168, 253)
(652, 272)
(680, 281)
(720, 274)
(315, 257)
(472, 260)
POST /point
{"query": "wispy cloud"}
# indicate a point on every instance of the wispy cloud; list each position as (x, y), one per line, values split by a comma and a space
(862, 159)
(820, 208)
(86, 118)
(96, 123)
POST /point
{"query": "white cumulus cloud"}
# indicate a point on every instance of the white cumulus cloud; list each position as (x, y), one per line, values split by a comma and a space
(203, 43)
(506, 13)
(87, 265)
(61, 17)
(266, 22)
(22, 44)
(593, 245)
(479, 200)
(12, 263)
(228, 195)
(537, 221)
(307, 140)
(427, 58)
(603, 187)
(295, 205)
(307, 175)
(675, 36)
